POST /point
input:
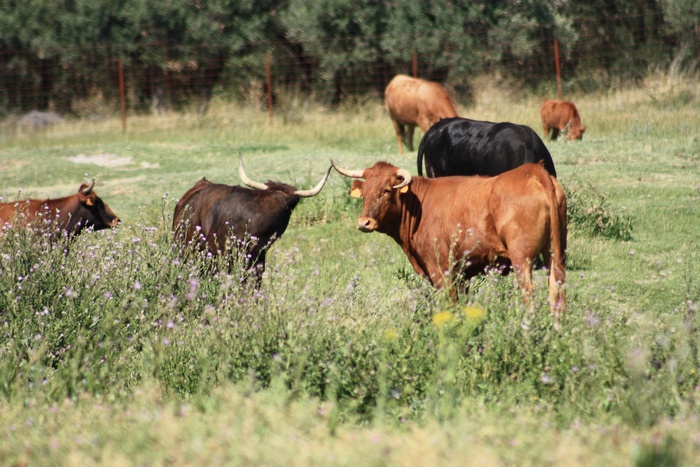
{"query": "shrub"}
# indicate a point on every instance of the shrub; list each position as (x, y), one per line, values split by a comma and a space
(589, 212)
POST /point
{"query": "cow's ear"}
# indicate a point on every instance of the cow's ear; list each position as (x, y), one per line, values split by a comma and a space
(356, 190)
(87, 200)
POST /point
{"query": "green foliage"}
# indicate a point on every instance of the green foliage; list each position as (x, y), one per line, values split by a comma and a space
(118, 308)
(591, 213)
(176, 54)
(115, 346)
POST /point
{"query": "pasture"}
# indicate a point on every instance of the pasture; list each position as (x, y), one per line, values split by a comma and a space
(120, 352)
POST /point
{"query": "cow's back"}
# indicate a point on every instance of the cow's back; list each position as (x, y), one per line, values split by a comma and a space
(417, 101)
(187, 203)
(558, 113)
(493, 210)
(460, 146)
(223, 210)
(22, 211)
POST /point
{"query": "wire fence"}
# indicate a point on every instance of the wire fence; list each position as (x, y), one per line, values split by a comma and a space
(605, 52)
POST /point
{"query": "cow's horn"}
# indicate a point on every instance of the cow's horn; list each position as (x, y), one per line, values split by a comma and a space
(406, 177)
(244, 177)
(88, 189)
(348, 173)
(315, 190)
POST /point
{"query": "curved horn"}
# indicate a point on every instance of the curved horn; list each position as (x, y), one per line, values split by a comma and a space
(348, 173)
(315, 190)
(244, 177)
(88, 189)
(406, 177)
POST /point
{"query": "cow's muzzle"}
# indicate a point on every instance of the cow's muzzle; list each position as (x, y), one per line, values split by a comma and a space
(366, 224)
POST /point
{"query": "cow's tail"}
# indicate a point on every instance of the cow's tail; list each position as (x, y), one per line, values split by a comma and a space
(419, 161)
(557, 240)
(541, 153)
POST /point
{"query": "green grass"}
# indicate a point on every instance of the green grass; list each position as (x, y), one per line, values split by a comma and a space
(120, 352)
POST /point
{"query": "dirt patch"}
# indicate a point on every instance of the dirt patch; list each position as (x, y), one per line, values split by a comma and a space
(101, 160)
(12, 165)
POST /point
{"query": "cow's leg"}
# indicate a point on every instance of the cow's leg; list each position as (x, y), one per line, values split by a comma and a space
(545, 129)
(454, 281)
(399, 130)
(258, 269)
(257, 273)
(250, 262)
(557, 296)
(523, 272)
(409, 136)
(557, 277)
(555, 133)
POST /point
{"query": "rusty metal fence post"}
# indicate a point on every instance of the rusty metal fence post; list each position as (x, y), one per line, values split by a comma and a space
(556, 64)
(268, 74)
(122, 94)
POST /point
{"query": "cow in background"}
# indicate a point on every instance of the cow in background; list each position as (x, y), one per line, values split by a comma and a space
(460, 146)
(561, 116)
(67, 216)
(234, 220)
(458, 226)
(414, 101)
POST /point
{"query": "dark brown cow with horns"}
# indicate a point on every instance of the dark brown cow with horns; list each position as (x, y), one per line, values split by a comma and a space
(233, 220)
(62, 216)
(460, 225)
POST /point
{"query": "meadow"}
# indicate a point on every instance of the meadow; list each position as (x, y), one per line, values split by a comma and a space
(116, 351)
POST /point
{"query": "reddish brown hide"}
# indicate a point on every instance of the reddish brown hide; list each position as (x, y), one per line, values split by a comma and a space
(68, 216)
(559, 116)
(453, 226)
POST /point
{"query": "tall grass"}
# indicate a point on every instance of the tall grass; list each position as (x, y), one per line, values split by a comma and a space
(117, 349)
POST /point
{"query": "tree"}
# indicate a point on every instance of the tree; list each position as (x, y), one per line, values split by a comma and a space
(190, 40)
(683, 18)
(342, 36)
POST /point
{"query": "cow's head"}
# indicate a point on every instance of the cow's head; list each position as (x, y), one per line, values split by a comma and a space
(576, 132)
(93, 211)
(381, 191)
(264, 187)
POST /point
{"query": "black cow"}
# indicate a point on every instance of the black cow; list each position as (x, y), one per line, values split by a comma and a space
(459, 146)
(233, 220)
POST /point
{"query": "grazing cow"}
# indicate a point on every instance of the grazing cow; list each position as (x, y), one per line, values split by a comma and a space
(413, 101)
(459, 146)
(63, 216)
(227, 220)
(561, 116)
(458, 226)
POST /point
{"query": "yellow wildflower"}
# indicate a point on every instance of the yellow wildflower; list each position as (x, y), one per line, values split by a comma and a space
(441, 318)
(474, 313)
(390, 334)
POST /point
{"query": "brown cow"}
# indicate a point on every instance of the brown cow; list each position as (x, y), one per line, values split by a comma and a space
(413, 101)
(63, 216)
(453, 226)
(561, 116)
